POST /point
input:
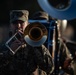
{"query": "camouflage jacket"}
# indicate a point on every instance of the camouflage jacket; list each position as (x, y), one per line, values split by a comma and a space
(65, 54)
(25, 61)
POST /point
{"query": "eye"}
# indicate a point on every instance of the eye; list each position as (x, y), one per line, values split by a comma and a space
(21, 22)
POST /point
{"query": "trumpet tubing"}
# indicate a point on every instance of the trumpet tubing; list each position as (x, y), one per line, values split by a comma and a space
(16, 37)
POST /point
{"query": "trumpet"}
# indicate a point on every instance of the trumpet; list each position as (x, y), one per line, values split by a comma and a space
(35, 34)
(17, 36)
(59, 9)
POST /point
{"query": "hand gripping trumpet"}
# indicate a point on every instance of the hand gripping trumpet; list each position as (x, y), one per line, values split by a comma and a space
(16, 37)
(35, 34)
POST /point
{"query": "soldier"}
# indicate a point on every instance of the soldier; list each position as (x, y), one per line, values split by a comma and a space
(26, 59)
(66, 49)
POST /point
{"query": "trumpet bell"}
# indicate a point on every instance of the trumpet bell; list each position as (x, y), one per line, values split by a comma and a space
(67, 12)
(35, 34)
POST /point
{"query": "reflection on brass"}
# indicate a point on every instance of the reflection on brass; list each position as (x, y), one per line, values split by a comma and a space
(59, 4)
(35, 34)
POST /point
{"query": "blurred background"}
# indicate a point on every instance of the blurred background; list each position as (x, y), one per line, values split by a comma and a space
(7, 5)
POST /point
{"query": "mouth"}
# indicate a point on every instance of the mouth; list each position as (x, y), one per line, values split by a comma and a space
(21, 31)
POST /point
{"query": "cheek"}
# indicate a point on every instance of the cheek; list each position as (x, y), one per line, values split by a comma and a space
(24, 27)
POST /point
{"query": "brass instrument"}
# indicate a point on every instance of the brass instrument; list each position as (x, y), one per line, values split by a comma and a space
(17, 36)
(59, 9)
(35, 34)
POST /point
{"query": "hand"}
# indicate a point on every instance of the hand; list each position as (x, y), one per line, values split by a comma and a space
(15, 44)
(67, 63)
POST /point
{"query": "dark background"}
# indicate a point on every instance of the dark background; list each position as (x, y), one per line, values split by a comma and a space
(31, 5)
(7, 5)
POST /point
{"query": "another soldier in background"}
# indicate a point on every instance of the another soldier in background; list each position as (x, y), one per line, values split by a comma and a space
(66, 49)
(44, 18)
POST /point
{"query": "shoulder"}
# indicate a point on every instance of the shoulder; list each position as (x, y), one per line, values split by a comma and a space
(44, 48)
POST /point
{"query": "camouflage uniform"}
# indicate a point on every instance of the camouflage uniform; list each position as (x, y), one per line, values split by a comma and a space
(65, 53)
(26, 60)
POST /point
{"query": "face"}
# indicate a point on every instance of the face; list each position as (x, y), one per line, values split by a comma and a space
(19, 25)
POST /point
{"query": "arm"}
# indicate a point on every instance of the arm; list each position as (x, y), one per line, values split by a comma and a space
(65, 59)
(44, 59)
